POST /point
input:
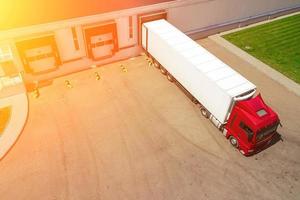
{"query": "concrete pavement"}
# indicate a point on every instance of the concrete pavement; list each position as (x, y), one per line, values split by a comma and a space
(135, 135)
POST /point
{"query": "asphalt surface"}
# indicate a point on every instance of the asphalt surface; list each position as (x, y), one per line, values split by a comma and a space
(134, 135)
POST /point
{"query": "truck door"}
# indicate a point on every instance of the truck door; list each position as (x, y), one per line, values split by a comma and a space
(241, 130)
(246, 133)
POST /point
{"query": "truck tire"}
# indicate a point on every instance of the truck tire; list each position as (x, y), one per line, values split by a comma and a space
(204, 112)
(195, 101)
(233, 141)
(156, 64)
(163, 70)
(170, 77)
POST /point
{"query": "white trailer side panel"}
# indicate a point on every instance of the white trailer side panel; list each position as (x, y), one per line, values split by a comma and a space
(213, 83)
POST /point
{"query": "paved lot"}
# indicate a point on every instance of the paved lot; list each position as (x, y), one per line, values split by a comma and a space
(135, 135)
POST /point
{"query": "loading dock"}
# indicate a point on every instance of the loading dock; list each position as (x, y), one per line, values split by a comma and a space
(101, 40)
(39, 54)
(147, 17)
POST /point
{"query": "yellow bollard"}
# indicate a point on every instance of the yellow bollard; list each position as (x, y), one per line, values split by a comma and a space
(68, 84)
(98, 77)
(36, 93)
(150, 63)
(124, 69)
(148, 59)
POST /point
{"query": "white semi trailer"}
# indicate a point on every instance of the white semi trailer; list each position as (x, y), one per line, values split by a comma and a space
(212, 83)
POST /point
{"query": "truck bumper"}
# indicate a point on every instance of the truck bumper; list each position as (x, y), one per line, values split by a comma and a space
(259, 147)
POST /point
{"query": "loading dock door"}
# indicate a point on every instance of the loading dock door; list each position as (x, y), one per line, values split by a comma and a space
(39, 55)
(101, 40)
(147, 17)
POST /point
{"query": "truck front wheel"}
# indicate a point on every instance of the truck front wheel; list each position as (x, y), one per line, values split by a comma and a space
(233, 141)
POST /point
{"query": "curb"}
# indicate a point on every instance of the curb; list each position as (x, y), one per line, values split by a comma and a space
(20, 110)
(266, 69)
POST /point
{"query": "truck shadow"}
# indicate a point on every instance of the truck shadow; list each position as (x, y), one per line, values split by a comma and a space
(276, 138)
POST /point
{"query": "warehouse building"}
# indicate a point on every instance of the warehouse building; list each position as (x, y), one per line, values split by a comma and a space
(56, 38)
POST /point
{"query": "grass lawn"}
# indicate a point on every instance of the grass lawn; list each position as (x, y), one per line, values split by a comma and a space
(4, 117)
(275, 43)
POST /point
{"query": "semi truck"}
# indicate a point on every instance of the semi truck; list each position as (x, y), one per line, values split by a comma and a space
(224, 96)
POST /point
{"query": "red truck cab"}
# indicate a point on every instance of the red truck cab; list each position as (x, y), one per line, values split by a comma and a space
(251, 125)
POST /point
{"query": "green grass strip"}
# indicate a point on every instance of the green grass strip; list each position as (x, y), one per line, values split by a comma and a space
(275, 43)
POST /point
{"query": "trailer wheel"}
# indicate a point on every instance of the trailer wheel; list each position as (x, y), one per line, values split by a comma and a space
(195, 101)
(204, 112)
(233, 141)
(170, 77)
(156, 64)
(163, 70)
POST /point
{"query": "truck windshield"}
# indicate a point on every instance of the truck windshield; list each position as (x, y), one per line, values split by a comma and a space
(266, 131)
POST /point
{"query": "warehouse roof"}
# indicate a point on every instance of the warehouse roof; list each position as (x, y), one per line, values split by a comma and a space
(19, 13)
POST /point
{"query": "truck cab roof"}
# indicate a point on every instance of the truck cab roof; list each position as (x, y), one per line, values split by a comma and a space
(257, 111)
